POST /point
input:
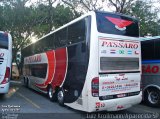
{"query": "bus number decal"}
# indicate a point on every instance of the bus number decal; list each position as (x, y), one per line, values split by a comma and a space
(150, 69)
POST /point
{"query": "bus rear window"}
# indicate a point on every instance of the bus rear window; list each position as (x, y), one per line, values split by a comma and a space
(117, 24)
(3, 41)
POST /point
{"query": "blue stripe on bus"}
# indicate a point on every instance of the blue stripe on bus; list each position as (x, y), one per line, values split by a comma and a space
(150, 61)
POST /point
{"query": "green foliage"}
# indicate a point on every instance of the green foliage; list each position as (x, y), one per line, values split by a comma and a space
(23, 22)
(147, 16)
(56, 17)
(62, 15)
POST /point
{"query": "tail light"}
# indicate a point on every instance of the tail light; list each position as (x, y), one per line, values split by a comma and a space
(6, 77)
(95, 87)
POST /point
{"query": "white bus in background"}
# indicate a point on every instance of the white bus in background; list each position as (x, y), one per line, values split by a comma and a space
(92, 63)
(5, 61)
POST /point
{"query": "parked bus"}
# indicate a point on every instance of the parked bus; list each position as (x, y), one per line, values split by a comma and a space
(151, 70)
(5, 61)
(92, 63)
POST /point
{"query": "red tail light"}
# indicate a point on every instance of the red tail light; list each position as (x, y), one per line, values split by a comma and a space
(95, 87)
(6, 77)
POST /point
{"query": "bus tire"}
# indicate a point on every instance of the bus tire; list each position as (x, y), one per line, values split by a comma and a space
(52, 94)
(60, 97)
(152, 97)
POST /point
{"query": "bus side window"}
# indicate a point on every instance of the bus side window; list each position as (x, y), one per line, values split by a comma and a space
(147, 50)
(76, 32)
(60, 38)
(157, 48)
(52, 38)
(49, 42)
(37, 48)
(40, 46)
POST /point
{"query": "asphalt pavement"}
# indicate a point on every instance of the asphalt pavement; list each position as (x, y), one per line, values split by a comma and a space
(24, 103)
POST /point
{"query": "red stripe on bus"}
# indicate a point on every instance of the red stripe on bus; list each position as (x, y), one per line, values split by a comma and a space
(61, 67)
(50, 69)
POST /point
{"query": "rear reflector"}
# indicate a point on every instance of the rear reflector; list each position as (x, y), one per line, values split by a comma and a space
(6, 77)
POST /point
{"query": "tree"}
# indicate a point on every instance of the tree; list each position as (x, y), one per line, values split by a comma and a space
(121, 6)
(45, 23)
(147, 16)
(89, 5)
(17, 19)
(144, 11)
(84, 5)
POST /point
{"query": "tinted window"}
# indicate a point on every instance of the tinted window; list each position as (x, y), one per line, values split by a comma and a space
(3, 41)
(157, 49)
(39, 70)
(76, 32)
(60, 38)
(117, 24)
(147, 50)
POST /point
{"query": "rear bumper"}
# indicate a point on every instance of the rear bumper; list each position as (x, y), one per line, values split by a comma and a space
(4, 88)
(116, 104)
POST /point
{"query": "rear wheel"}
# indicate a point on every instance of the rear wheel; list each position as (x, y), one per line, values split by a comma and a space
(60, 97)
(52, 94)
(152, 97)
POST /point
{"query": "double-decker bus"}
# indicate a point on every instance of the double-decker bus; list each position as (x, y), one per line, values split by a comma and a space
(5, 61)
(93, 63)
(151, 70)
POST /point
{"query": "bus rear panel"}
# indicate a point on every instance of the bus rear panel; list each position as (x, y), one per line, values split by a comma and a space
(115, 83)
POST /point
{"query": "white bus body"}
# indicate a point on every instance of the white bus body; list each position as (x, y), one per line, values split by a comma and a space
(5, 61)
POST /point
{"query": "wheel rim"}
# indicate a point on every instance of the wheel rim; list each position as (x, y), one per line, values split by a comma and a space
(60, 96)
(50, 92)
(153, 97)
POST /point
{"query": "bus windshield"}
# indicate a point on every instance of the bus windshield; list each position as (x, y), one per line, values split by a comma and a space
(117, 24)
(3, 41)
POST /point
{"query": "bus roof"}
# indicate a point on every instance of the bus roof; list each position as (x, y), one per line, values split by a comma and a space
(149, 38)
(121, 14)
